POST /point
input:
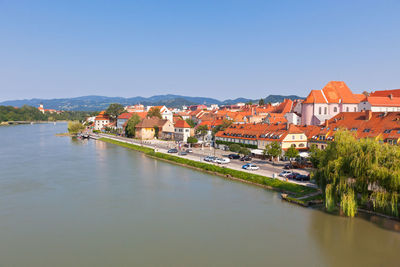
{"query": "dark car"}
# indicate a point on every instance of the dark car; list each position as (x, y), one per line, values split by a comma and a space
(233, 156)
(182, 153)
(173, 150)
(292, 175)
(245, 158)
(302, 177)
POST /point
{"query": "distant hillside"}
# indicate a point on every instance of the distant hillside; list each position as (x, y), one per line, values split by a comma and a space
(96, 103)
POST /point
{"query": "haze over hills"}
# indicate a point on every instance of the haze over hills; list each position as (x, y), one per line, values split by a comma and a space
(96, 103)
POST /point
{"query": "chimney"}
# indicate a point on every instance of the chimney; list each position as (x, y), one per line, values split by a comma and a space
(391, 96)
(326, 124)
(368, 115)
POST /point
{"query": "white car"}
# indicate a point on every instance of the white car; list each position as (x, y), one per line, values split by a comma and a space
(250, 167)
(222, 160)
(284, 173)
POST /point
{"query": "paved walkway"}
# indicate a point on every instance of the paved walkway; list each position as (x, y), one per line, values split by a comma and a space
(266, 168)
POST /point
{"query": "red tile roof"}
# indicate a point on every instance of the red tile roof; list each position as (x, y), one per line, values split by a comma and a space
(181, 124)
(333, 92)
(383, 101)
(394, 92)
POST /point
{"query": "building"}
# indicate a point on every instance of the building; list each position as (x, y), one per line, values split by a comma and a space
(381, 101)
(382, 126)
(166, 114)
(124, 117)
(334, 98)
(182, 131)
(101, 121)
(43, 110)
(150, 128)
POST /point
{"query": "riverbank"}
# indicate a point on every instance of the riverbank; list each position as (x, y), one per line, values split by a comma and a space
(295, 190)
(5, 123)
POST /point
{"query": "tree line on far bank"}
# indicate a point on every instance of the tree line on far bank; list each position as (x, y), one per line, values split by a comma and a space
(28, 113)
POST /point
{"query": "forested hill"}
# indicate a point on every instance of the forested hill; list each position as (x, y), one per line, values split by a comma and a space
(97, 103)
(27, 113)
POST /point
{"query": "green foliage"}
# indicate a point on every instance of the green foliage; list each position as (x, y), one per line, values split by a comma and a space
(244, 151)
(292, 153)
(114, 110)
(274, 149)
(225, 124)
(154, 112)
(156, 131)
(357, 172)
(234, 147)
(191, 123)
(202, 130)
(28, 113)
(75, 127)
(261, 102)
(219, 142)
(275, 184)
(192, 140)
(130, 128)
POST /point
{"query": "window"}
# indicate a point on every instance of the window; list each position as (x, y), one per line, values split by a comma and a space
(354, 129)
(326, 110)
(320, 110)
(347, 109)
(367, 130)
(355, 109)
(387, 131)
(293, 137)
(335, 109)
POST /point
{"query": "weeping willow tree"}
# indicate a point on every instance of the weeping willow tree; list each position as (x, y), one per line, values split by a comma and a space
(362, 172)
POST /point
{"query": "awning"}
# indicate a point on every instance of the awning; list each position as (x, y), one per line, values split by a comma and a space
(257, 151)
(304, 154)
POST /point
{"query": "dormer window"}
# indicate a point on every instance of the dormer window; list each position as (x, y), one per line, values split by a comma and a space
(366, 130)
(354, 129)
(387, 131)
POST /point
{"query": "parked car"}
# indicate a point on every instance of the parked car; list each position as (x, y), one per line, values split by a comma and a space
(173, 150)
(245, 158)
(210, 158)
(233, 156)
(284, 173)
(189, 150)
(222, 160)
(293, 175)
(250, 166)
(182, 153)
(302, 177)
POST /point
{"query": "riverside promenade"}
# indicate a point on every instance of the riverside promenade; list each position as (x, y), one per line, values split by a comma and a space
(198, 154)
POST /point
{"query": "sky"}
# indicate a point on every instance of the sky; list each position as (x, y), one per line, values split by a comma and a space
(212, 48)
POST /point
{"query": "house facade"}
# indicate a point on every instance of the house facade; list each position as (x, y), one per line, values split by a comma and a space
(182, 131)
(321, 105)
(151, 128)
(101, 121)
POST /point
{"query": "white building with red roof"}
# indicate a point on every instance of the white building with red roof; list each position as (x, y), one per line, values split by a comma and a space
(182, 131)
(101, 121)
(381, 101)
(321, 105)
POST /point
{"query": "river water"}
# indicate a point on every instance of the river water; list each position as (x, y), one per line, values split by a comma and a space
(66, 202)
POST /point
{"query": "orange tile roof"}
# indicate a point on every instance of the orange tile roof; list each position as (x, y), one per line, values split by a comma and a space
(181, 124)
(383, 101)
(333, 92)
(102, 116)
(394, 92)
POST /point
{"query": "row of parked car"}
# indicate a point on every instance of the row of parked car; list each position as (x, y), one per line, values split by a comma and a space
(236, 156)
(295, 176)
(182, 152)
(217, 160)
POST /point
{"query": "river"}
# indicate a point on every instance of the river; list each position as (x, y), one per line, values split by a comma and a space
(67, 202)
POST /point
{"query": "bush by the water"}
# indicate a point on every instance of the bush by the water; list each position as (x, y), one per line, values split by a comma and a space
(75, 127)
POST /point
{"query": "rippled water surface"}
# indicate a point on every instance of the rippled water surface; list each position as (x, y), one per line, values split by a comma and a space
(65, 202)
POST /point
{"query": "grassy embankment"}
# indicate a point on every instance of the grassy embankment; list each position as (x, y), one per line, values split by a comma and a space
(294, 190)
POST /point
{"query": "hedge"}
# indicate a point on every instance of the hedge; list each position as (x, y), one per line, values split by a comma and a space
(219, 142)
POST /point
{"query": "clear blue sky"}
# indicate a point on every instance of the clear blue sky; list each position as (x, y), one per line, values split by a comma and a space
(221, 49)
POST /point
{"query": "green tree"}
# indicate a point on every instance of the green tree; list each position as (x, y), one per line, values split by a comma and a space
(114, 110)
(191, 123)
(274, 150)
(156, 131)
(353, 172)
(261, 102)
(249, 103)
(244, 151)
(192, 140)
(202, 130)
(291, 153)
(75, 127)
(154, 112)
(234, 148)
(225, 124)
(130, 128)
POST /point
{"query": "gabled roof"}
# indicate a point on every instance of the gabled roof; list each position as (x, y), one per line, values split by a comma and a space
(102, 116)
(181, 124)
(333, 92)
(394, 92)
(151, 122)
(383, 101)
